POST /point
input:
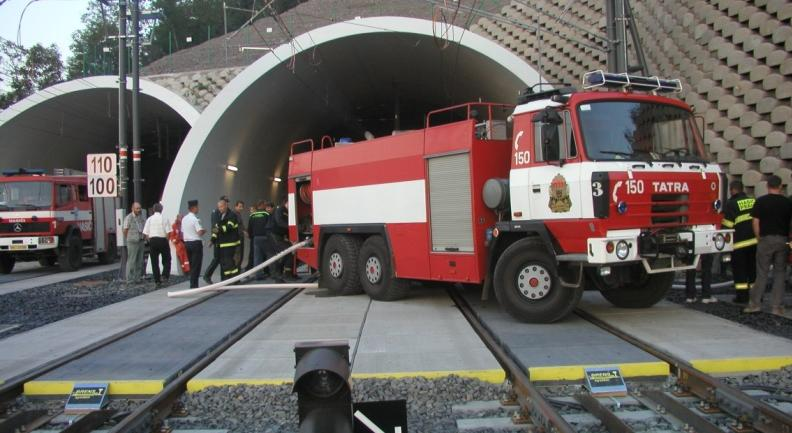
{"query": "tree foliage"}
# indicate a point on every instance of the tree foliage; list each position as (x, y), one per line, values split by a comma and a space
(181, 24)
(24, 71)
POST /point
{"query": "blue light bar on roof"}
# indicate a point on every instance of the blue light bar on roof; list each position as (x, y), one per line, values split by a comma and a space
(601, 78)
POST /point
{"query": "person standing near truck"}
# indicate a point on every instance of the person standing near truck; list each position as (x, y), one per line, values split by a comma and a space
(133, 235)
(156, 232)
(737, 216)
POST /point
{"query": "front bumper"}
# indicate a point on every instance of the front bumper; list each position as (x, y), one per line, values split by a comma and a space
(23, 244)
(659, 252)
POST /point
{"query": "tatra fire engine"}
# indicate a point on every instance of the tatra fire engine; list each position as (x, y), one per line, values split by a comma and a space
(605, 188)
(50, 218)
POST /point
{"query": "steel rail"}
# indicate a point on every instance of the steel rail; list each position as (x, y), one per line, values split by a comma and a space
(14, 386)
(158, 407)
(764, 417)
(529, 397)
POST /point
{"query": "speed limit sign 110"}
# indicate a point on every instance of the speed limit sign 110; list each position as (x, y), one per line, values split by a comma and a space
(102, 173)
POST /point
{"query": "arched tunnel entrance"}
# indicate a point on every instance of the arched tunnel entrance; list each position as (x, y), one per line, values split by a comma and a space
(374, 74)
(58, 126)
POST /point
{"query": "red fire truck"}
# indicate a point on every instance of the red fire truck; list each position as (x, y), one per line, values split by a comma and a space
(50, 218)
(605, 188)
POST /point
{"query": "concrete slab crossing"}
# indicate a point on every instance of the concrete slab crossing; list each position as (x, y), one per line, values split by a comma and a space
(423, 336)
(25, 351)
(145, 361)
(560, 351)
(711, 344)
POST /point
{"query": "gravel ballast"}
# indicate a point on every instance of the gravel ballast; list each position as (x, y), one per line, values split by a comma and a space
(273, 409)
(32, 308)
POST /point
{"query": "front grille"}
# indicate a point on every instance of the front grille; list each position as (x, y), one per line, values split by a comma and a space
(669, 209)
(38, 227)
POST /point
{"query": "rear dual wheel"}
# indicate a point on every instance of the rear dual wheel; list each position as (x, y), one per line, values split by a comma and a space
(339, 272)
(376, 272)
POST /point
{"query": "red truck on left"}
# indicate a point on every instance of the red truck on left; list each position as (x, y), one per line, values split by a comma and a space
(50, 218)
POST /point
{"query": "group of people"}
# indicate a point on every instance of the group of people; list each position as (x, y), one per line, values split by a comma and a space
(266, 231)
(762, 233)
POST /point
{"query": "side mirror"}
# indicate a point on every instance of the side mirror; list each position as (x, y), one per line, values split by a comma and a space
(549, 116)
(551, 145)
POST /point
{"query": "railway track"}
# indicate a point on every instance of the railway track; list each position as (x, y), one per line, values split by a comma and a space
(691, 401)
(147, 414)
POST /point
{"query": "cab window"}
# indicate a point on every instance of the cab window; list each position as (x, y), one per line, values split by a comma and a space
(566, 149)
(64, 194)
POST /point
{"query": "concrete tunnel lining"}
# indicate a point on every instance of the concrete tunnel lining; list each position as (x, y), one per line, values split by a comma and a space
(252, 121)
(57, 126)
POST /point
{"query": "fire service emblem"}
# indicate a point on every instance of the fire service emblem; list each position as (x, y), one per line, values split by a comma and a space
(559, 195)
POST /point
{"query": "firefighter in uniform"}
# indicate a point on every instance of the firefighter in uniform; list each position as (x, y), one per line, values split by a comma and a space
(737, 216)
(225, 235)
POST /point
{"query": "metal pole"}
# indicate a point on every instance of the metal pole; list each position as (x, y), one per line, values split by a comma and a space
(123, 189)
(123, 181)
(617, 36)
(136, 180)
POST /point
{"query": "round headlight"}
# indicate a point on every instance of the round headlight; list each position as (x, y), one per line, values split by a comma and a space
(622, 250)
(717, 204)
(720, 241)
(621, 207)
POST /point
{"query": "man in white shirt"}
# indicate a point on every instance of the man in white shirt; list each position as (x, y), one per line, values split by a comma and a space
(156, 231)
(192, 232)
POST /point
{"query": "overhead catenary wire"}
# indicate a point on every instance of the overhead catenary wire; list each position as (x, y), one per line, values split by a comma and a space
(522, 25)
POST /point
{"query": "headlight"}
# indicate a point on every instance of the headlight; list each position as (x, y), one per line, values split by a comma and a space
(46, 240)
(720, 241)
(622, 250)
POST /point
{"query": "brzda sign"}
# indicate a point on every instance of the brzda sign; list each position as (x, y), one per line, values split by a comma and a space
(86, 397)
(605, 381)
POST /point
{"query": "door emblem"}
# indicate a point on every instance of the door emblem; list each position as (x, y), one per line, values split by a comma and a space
(559, 195)
(17, 228)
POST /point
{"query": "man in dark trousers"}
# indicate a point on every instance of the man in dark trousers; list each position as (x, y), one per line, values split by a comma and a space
(225, 235)
(258, 232)
(192, 232)
(278, 228)
(215, 218)
(771, 217)
(705, 261)
(737, 216)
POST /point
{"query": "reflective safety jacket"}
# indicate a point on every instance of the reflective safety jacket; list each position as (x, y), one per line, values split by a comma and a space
(257, 223)
(225, 233)
(737, 216)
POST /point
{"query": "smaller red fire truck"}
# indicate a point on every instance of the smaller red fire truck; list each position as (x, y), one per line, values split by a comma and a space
(608, 188)
(50, 218)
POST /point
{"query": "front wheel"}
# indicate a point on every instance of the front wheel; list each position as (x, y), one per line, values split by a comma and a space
(6, 263)
(527, 285)
(70, 255)
(643, 291)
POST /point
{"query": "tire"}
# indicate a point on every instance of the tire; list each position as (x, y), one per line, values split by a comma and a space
(541, 298)
(643, 293)
(70, 255)
(47, 261)
(6, 263)
(338, 272)
(111, 254)
(376, 272)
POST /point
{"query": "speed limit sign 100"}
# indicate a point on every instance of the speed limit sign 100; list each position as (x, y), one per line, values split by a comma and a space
(101, 168)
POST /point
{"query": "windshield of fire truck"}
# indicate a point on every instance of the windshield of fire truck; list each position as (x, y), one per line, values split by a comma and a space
(25, 195)
(614, 130)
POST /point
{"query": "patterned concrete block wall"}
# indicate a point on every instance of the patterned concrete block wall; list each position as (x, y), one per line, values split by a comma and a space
(732, 55)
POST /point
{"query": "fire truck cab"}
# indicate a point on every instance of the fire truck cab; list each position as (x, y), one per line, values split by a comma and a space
(50, 218)
(599, 189)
